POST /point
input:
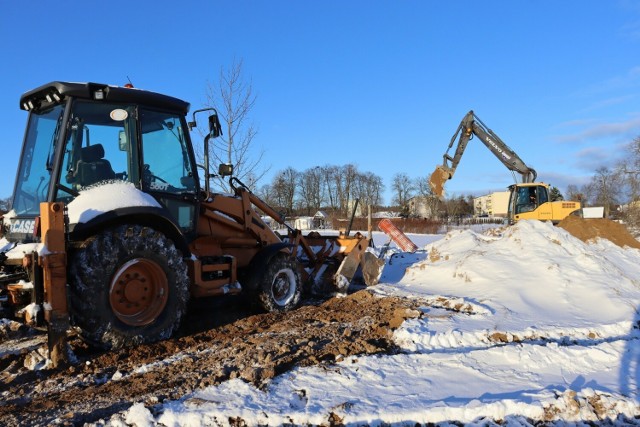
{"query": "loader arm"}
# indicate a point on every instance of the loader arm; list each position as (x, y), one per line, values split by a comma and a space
(318, 252)
(471, 126)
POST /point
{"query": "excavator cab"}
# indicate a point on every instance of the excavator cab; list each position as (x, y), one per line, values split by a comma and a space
(527, 198)
(532, 201)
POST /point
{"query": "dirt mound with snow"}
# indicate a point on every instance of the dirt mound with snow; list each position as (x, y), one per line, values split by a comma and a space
(218, 343)
(587, 229)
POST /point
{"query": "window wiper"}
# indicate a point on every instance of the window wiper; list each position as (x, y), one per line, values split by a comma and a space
(49, 164)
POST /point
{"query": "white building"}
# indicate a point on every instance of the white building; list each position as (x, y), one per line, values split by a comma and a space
(317, 222)
(304, 223)
(492, 205)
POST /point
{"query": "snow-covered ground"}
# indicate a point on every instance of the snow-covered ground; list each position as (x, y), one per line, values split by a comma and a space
(524, 324)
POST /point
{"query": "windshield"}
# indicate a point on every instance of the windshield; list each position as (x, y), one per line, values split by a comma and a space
(524, 199)
(34, 173)
(97, 147)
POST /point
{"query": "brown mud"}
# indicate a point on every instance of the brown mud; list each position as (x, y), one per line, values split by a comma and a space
(220, 341)
(588, 229)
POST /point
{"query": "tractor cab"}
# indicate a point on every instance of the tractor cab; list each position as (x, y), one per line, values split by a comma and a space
(82, 134)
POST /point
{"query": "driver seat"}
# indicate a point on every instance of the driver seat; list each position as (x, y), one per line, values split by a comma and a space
(92, 166)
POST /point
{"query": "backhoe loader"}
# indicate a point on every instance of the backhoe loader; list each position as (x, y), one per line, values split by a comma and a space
(113, 230)
(528, 199)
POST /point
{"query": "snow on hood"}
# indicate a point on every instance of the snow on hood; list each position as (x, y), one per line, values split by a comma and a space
(97, 200)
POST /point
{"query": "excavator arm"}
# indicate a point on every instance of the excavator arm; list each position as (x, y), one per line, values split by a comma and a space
(469, 126)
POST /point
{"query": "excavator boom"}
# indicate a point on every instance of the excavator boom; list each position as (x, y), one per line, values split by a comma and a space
(528, 200)
(469, 126)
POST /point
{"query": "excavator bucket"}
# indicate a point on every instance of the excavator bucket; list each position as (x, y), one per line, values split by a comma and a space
(439, 176)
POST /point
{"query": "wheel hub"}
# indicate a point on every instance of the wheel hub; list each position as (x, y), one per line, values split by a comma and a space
(283, 287)
(139, 292)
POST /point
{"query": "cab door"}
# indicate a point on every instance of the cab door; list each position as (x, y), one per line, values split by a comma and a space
(544, 210)
(167, 165)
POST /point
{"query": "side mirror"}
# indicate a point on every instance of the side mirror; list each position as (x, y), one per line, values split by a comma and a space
(225, 169)
(123, 143)
(215, 130)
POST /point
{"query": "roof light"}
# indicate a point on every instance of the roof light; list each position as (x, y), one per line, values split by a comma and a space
(30, 105)
(98, 95)
(25, 106)
(49, 99)
(129, 86)
(56, 97)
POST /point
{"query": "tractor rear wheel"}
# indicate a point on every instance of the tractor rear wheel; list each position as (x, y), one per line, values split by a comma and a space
(280, 287)
(128, 285)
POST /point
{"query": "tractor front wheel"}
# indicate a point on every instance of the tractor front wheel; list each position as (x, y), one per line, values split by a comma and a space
(128, 285)
(280, 287)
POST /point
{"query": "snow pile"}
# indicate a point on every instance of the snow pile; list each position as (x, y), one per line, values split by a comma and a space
(530, 324)
(536, 280)
(98, 199)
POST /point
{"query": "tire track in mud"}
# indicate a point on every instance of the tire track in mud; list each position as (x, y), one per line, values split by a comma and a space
(255, 348)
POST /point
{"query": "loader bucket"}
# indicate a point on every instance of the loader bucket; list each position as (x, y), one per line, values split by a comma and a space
(437, 179)
(371, 268)
(339, 259)
(370, 265)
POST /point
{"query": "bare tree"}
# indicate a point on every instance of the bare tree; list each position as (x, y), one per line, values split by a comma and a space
(310, 189)
(233, 98)
(573, 193)
(330, 175)
(431, 201)
(630, 170)
(422, 187)
(349, 177)
(606, 188)
(368, 189)
(284, 189)
(402, 188)
(267, 194)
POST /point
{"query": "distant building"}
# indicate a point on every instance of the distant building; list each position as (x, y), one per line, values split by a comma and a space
(422, 206)
(304, 223)
(317, 222)
(320, 220)
(492, 205)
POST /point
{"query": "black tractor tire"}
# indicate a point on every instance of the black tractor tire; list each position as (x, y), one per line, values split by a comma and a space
(128, 285)
(280, 287)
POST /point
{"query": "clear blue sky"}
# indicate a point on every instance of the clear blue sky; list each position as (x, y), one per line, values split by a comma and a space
(381, 84)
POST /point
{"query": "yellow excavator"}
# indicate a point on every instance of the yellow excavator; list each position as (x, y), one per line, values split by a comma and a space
(528, 199)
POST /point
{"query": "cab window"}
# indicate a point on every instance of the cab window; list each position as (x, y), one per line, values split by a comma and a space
(542, 195)
(526, 199)
(166, 163)
(97, 149)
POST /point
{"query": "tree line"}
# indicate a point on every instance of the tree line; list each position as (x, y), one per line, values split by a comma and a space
(613, 186)
(331, 187)
(335, 188)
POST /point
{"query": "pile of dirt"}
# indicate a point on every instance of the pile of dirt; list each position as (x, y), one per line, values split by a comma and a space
(253, 347)
(587, 229)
